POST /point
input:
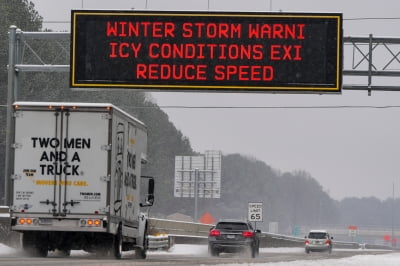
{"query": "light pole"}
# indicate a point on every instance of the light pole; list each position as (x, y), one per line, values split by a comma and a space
(393, 216)
(196, 194)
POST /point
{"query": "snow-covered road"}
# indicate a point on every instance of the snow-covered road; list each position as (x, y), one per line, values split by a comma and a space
(388, 259)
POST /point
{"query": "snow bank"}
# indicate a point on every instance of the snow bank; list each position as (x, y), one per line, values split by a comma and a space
(6, 250)
(390, 259)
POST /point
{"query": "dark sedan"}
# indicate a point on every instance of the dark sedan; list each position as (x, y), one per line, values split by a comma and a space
(231, 236)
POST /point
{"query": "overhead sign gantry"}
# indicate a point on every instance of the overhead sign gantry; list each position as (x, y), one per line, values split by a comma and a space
(207, 51)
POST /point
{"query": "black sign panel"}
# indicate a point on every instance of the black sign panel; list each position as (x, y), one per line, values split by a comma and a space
(207, 51)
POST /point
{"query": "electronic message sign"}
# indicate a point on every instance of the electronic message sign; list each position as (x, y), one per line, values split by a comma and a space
(207, 51)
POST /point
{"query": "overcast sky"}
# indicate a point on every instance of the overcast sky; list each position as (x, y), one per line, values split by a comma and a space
(350, 151)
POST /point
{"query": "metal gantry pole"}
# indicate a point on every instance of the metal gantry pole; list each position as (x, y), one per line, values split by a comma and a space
(10, 99)
(370, 65)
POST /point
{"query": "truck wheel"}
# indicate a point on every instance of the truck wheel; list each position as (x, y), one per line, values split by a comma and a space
(140, 253)
(118, 244)
(65, 252)
(33, 245)
(41, 252)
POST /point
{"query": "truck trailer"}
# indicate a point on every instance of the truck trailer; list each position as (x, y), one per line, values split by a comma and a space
(76, 176)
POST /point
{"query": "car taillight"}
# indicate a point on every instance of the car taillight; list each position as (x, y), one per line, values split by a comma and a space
(248, 234)
(215, 232)
(328, 242)
(307, 242)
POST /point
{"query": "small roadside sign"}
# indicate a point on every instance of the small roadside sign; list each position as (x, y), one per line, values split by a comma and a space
(352, 230)
(255, 212)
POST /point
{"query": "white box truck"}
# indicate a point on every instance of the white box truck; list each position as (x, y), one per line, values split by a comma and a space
(76, 179)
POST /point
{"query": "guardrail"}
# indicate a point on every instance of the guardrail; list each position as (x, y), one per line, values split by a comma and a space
(178, 228)
(159, 242)
(276, 240)
(163, 234)
(196, 233)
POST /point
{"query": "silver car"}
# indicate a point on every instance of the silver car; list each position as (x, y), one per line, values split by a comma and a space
(318, 240)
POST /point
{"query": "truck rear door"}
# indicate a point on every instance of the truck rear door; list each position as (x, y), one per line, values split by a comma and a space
(61, 161)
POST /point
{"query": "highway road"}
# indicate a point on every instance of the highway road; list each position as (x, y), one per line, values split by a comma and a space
(194, 255)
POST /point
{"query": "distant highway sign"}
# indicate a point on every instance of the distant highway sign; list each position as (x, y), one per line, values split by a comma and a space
(205, 170)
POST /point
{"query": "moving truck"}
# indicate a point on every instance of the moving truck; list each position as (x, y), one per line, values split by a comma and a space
(76, 179)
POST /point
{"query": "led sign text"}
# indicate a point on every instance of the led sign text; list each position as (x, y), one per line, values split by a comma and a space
(212, 51)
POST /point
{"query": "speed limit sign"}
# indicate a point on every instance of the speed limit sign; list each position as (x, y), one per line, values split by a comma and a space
(255, 212)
